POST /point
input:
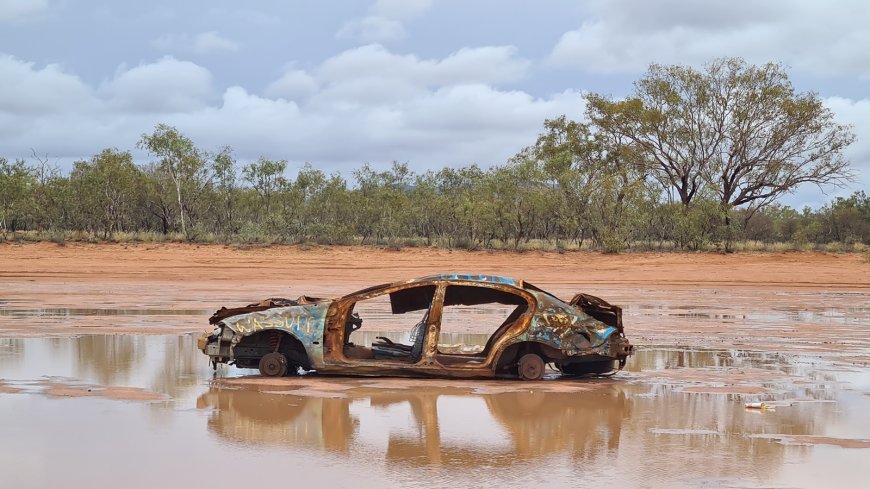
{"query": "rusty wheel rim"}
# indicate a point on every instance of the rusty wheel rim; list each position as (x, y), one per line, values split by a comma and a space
(531, 367)
(273, 365)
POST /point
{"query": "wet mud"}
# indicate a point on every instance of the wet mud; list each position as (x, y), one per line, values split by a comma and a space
(675, 418)
(87, 404)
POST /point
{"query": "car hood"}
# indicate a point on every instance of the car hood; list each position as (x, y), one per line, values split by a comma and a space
(223, 313)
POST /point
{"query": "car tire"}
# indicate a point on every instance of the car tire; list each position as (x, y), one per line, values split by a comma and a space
(531, 367)
(273, 365)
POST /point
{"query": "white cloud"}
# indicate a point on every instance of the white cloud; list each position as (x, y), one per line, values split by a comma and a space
(364, 104)
(401, 9)
(19, 9)
(357, 93)
(857, 114)
(385, 22)
(371, 29)
(294, 84)
(491, 65)
(479, 108)
(211, 41)
(28, 90)
(643, 16)
(245, 121)
(166, 85)
(431, 112)
(203, 43)
(624, 36)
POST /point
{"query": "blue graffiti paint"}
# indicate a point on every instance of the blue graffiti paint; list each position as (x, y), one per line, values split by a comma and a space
(491, 279)
(601, 335)
(566, 328)
(306, 322)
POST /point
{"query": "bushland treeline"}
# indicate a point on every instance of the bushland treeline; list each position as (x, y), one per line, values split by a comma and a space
(694, 159)
(512, 206)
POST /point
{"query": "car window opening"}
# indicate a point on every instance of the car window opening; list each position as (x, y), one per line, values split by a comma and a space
(469, 308)
(368, 319)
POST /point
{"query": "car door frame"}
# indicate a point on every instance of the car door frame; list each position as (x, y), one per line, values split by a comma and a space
(334, 359)
(520, 326)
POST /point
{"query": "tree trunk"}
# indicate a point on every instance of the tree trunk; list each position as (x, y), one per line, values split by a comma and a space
(728, 247)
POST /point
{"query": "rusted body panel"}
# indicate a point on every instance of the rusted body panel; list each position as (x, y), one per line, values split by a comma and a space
(304, 322)
(315, 333)
(565, 328)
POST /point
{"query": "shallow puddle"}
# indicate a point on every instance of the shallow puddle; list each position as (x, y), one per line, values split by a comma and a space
(94, 410)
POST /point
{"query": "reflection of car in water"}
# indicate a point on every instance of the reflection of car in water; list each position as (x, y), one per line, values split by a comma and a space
(528, 328)
(250, 416)
(427, 427)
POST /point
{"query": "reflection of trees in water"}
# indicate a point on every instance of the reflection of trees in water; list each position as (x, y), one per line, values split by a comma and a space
(658, 359)
(584, 424)
(176, 374)
(11, 353)
(122, 360)
(110, 359)
(538, 423)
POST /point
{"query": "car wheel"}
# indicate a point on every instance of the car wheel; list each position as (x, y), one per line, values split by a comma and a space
(530, 367)
(273, 365)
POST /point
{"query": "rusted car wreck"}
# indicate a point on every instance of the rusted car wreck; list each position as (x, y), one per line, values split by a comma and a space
(282, 336)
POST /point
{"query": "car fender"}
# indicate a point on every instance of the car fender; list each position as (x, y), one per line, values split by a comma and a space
(303, 322)
(567, 328)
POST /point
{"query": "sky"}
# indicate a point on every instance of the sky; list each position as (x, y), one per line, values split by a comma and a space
(429, 82)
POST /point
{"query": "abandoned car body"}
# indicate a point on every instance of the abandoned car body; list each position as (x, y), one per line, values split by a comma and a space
(280, 336)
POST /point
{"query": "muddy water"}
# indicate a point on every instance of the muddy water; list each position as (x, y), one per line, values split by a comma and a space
(146, 411)
(106, 409)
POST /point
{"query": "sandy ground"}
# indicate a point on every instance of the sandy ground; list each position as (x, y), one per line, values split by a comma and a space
(285, 265)
(803, 302)
(79, 346)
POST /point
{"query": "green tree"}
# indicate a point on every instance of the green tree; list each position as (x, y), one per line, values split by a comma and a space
(458, 208)
(847, 220)
(738, 128)
(226, 185)
(48, 206)
(572, 160)
(381, 201)
(180, 160)
(267, 178)
(595, 181)
(16, 183)
(160, 200)
(108, 185)
(327, 214)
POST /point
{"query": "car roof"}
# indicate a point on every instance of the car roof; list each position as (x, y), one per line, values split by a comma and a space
(472, 277)
(459, 277)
